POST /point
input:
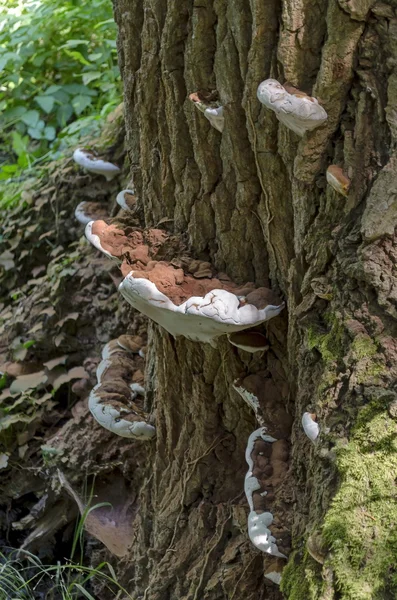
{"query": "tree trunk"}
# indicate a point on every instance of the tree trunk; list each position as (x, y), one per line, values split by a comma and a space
(254, 202)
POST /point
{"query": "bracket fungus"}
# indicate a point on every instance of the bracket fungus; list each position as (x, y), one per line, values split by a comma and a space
(338, 180)
(191, 305)
(89, 161)
(126, 199)
(295, 109)
(201, 318)
(212, 110)
(263, 455)
(90, 211)
(250, 341)
(310, 426)
(111, 400)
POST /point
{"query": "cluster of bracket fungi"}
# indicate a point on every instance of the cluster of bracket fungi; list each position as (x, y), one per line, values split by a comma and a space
(188, 298)
(114, 401)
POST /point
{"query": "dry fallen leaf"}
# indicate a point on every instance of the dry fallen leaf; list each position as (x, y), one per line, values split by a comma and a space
(51, 364)
(71, 316)
(3, 461)
(75, 373)
(59, 339)
(6, 260)
(27, 382)
(50, 311)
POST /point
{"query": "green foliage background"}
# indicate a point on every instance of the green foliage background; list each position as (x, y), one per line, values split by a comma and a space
(58, 77)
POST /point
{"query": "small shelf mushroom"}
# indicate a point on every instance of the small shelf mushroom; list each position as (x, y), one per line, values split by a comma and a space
(212, 111)
(338, 180)
(112, 400)
(295, 109)
(250, 341)
(90, 211)
(126, 199)
(310, 426)
(89, 161)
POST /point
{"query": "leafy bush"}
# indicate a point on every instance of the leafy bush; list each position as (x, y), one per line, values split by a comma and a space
(58, 75)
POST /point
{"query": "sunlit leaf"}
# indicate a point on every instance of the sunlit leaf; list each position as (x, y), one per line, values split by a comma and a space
(77, 56)
(91, 76)
(74, 43)
(19, 143)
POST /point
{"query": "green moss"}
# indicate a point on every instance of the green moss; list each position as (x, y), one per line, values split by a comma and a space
(301, 578)
(330, 345)
(369, 364)
(363, 347)
(361, 524)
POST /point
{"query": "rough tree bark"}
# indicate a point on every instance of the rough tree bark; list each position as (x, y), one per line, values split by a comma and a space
(254, 202)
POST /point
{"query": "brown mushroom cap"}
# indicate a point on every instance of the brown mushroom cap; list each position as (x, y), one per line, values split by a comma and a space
(251, 341)
(295, 91)
(132, 343)
(338, 180)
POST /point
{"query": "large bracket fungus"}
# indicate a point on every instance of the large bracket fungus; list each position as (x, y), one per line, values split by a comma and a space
(198, 306)
(212, 110)
(293, 108)
(89, 161)
(111, 400)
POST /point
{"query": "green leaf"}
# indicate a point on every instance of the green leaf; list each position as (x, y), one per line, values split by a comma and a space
(88, 77)
(31, 118)
(52, 89)
(83, 591)
(45, 102)
(23, 161)
(14, 113)
(80, 103)
(77, 88)
(74, 43)
(77, 56)
(105, 87)
(49, 133)
(19, 143)
(95, 56)
(29, 343)
(9, 169)
(64, 113)
(36, 132)
(39, 59)
(62, 97)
